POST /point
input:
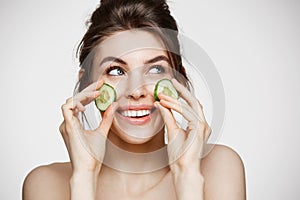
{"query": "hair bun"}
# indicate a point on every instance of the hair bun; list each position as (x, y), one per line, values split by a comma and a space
(112, 16)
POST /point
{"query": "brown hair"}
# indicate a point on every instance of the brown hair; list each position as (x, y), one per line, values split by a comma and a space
(119, 15)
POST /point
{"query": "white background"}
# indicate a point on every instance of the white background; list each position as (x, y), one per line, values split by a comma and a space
(255, 46)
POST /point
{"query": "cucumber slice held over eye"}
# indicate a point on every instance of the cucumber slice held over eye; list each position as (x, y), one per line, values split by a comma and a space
(166, 87)
(107, 96)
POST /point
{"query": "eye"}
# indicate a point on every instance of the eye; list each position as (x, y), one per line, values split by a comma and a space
(157, 69)
(115, 71)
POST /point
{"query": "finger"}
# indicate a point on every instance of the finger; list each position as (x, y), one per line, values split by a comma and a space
(71, 108)
(78, 107)
(208, 133)
(168, 119)
(69, 130)
(62, 129)
(70, 112)
(185, 93)
(185, 110)
(94, 86)
(107, 119)
(188, 97)
(67, 111)
(85, 97)
(197, 139)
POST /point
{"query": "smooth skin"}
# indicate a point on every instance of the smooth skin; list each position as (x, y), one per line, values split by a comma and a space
(218, 176)
(221, 173)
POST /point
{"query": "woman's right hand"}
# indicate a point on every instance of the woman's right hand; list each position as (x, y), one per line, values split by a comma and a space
(86, 148)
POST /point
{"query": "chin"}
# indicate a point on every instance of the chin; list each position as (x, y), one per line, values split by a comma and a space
(136, 135)
(134, 140)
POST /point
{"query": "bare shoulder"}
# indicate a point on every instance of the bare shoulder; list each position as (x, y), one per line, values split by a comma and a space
(223, 170)
(47, 182)
(223, 154)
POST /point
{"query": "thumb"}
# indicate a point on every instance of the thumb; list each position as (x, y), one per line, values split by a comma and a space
(168, 119)
(107, 119)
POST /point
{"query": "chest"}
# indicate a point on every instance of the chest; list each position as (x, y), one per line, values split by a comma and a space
(164, 190)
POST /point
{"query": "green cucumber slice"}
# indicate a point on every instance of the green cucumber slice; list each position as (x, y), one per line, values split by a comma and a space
(107, 96)
(166, 87)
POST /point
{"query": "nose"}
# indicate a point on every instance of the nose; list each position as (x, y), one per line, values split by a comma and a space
(136, 91)
(136, 88)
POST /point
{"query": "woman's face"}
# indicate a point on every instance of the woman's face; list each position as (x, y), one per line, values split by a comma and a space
(133, 62)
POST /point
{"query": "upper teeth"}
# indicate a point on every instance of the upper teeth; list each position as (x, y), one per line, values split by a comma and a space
(135, 113)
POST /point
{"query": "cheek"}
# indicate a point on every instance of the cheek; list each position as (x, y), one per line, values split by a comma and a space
(111, 81)
(150, 89)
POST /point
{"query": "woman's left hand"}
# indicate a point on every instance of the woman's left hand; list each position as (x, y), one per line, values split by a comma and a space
(184, 146)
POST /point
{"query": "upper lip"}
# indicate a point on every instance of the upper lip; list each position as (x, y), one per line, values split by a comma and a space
(136, 107)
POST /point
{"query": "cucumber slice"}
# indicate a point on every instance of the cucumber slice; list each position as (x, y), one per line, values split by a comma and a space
(106, 97)
(166, 87)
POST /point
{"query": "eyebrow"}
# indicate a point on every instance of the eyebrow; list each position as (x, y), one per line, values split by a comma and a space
(152, 60)
(157, 59)
(112, 59)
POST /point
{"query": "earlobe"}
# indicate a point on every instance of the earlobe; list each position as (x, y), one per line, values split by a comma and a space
(80, 73)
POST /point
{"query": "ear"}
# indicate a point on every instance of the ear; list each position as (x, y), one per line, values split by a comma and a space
(80, 73)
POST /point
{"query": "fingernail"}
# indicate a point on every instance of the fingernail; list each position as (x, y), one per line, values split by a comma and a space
(161, 94)
(96, 93)
(156, 104)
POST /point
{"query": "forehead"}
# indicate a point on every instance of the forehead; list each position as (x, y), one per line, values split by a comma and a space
(122, 43)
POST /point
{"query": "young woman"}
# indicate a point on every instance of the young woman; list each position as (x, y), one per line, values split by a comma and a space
(131, 45)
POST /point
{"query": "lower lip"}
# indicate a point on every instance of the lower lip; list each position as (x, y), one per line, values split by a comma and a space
(137, 120)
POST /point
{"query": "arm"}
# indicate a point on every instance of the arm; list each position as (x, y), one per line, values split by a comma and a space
(185, 145)
(86, 160)
(83, 185)
(189, 185)
(224, 176)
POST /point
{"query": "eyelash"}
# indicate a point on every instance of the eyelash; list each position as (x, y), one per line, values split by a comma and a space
(111, 68)
(159, 67)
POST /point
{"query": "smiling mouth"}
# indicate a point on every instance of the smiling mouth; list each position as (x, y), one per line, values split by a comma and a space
(136, 113)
